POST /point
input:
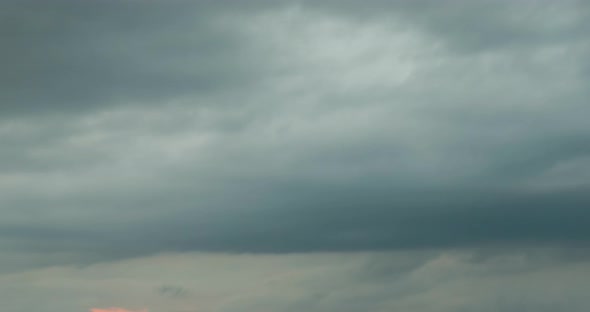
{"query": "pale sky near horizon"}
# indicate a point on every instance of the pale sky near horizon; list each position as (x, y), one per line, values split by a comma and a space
(294, 155)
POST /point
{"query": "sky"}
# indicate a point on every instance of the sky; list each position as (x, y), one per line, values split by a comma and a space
(294, 155)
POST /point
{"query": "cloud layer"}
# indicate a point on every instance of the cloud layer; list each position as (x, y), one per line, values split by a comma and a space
(132, 128)
(424, 281)
(294, 155)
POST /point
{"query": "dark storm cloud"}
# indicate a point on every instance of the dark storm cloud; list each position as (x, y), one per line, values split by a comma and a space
(71, 56)
(136, 127)
(325, 219)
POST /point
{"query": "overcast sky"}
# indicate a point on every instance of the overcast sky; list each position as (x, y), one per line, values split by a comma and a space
(294, 155)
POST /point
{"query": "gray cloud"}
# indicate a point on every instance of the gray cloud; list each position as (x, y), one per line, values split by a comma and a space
(67, 56)
(432, 280)
(479, 26)
(172, 291)
(132, 128)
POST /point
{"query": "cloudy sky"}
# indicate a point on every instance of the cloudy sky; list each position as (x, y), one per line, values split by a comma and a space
(294, 155)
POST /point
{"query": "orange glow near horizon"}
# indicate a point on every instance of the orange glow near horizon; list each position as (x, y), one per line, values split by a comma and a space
(114, 309)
